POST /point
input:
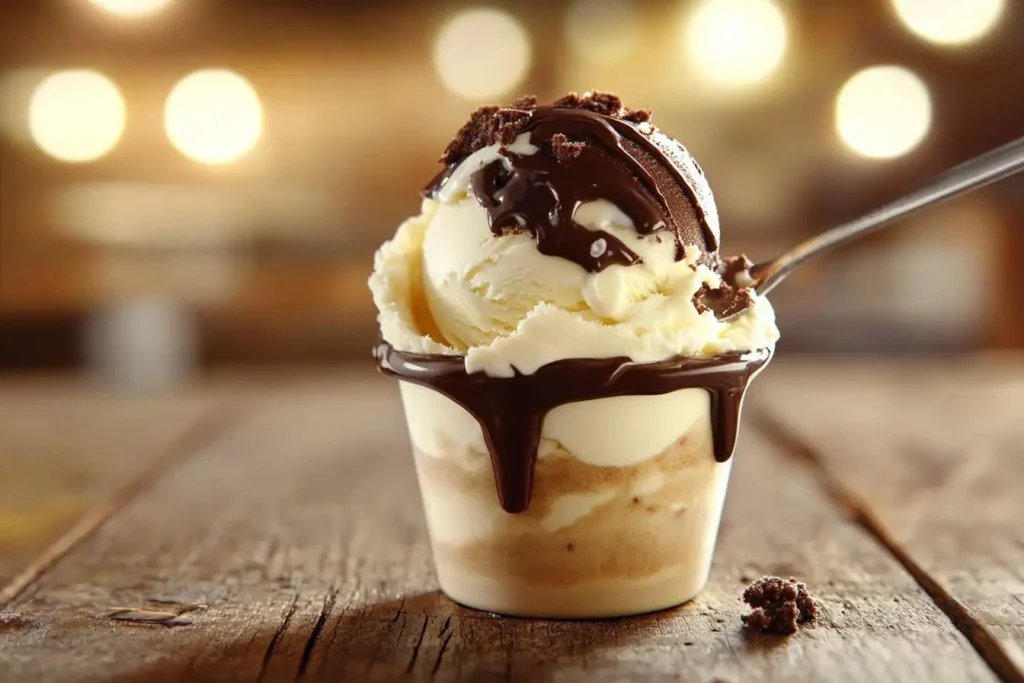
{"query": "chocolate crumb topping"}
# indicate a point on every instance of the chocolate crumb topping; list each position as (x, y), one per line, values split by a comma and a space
(724, 301)
(731, 297)
(637, 116)
(779, 605)
(565, 151)
(527, 102)
(487, 126)
(604, 103)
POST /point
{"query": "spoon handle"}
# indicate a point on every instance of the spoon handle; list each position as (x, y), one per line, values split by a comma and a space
(970, 175)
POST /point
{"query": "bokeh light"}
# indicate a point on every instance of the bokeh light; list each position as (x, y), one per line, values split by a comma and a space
(602, 31)
(131, 8)
(735, 43)
(482, 53)
(213, 116)
(883, 112)
(76, 116)
(949, 22)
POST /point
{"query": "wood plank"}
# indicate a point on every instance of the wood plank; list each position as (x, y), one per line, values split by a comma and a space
(930, 457)
(66, 449)
(300, 531)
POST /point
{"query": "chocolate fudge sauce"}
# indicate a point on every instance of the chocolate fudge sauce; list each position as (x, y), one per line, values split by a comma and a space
(540, 192)
(511, 410)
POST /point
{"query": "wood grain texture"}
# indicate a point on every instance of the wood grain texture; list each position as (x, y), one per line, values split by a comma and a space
(294, 547)
(65, 450)
(929, 457)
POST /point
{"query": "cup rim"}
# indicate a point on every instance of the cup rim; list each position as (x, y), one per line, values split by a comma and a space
(762, 353)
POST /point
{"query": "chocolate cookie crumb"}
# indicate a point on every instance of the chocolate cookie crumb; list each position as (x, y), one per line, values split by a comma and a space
(606, 103)
(733, 296)
(565, 151)
(638, 116)
(487, 126)
(527, 102)
(778, 606)
(570, 101)
(806, 603)
(723, 302)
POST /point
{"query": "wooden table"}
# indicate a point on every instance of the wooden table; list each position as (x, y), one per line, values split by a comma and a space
(271, 526)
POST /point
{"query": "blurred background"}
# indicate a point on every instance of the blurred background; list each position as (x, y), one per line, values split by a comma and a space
(187, 184)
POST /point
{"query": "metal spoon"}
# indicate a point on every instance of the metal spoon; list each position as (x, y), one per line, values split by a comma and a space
(970, 175)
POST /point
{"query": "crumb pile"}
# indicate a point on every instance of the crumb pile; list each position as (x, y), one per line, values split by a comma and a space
(778, 606)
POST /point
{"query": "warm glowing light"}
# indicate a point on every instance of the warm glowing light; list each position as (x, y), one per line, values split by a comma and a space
(482, 53)
(949, 22)
(735, 43)
(131, 8)
(602, 31)
(76, 116)
(883, 112)
(213, 116)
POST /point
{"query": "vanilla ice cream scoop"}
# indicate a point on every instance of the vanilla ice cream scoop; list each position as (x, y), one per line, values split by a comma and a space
(571, 231)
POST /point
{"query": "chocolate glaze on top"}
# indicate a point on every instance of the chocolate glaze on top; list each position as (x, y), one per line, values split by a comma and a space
(511, 410)
(618, 162)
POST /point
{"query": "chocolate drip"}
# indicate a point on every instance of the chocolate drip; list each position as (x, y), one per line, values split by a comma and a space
(511, 410)
(540, 192)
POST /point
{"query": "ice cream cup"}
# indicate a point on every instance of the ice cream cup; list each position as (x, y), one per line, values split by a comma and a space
(623, 516)
(560, 320)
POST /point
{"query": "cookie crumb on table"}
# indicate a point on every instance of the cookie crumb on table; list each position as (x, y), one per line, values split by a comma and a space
(779, 605)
